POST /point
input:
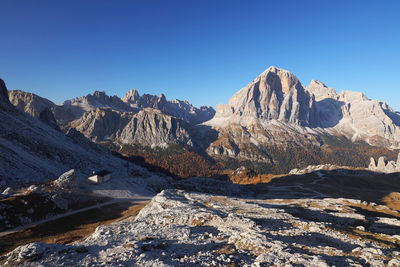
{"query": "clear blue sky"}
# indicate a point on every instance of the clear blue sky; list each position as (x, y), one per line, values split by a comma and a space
(202, 51)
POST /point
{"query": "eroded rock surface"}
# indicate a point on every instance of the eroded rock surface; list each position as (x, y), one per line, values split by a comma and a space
(180, 229)
(384, 165)
(67, 180)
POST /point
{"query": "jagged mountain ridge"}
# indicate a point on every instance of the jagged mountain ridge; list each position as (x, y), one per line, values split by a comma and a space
(275, 110)
(133, 102)
(148, 127)
(32, 151)
(73, 109)
(177, 108)
(354, 115)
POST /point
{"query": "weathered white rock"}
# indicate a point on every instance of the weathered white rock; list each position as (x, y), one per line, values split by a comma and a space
(384, 166)
(398, 162)
(8, 191)
(67, 180)
(181, 228)
(381, 163)
(33, 189)
(372, 164)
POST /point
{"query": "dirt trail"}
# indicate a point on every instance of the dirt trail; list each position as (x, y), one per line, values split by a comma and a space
(140, 199)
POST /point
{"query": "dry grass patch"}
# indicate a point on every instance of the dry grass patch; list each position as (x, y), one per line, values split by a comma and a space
(198, 222)
(226, 249)
(392, 200)
(382, 240)
(71, 228)
(374, 209)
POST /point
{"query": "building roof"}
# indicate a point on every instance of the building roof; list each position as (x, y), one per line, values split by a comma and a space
(101, 173)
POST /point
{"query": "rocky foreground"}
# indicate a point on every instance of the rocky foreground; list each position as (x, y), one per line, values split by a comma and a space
(179, 228)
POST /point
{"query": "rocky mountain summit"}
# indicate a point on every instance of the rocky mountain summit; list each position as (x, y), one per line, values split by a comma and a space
(354, 115)
(275, 94)
(275, 110)
(133, 102)
(148, 127)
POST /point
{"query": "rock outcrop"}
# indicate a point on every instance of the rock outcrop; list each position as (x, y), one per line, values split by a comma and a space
(177, 108)
(34, 105)
(179, 228)
(148, 127)
(67, 180)
(384, 165)
(354, 115)
(3, 92)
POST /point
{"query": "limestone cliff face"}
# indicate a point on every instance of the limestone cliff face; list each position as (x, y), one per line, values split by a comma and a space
(148, 127)
(34, 105)
(32, 151)
(273, 110)
(385, 165)
(354, 115)
(177, 108)
(274, 95)
(98, 99)
(133, 102)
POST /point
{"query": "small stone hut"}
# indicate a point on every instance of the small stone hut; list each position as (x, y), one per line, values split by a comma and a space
(99, 177)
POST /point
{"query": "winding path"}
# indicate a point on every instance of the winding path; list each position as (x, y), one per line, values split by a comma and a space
(139, 199)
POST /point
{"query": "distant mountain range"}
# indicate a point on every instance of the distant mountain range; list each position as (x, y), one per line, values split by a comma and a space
(274, 121)
(32, 151)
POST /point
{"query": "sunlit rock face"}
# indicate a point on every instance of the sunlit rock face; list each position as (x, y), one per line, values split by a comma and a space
(148, 127)
(276, 94)
(354, 115)
(385, 165)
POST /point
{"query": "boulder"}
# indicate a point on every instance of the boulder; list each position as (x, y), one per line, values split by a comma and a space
(33, 189)
(8, 191)
(67, 180)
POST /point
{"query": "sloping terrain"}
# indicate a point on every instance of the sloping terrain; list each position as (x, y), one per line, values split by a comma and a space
(32, 151)
(339, 218)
